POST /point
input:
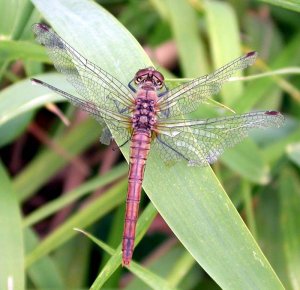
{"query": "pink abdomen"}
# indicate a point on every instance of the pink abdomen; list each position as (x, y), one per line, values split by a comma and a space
(139, 149)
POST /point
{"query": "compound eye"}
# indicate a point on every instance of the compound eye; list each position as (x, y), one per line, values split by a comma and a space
(139, 79)
(159, 84)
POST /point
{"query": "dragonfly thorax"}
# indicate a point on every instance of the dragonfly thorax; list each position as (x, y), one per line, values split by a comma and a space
(144, 116)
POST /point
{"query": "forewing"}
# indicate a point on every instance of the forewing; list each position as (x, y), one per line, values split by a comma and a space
(201, 142)
(187, 97)
(91, 82)
(103, 96)
(119, 123)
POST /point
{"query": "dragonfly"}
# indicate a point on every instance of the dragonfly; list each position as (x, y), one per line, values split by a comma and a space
(147, 113)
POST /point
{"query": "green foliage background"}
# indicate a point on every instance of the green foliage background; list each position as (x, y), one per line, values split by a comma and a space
(237, 226)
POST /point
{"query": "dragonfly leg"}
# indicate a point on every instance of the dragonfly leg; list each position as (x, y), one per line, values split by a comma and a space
(131, 87)
(164, 92)
(124, 143)
(116, 147)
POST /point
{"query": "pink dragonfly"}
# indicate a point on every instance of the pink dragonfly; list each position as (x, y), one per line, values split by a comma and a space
(141, 113)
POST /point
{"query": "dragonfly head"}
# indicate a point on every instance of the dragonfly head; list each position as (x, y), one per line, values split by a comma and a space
(149, 76)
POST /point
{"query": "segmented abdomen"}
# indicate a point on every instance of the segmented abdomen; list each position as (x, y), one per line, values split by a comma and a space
(139, 149)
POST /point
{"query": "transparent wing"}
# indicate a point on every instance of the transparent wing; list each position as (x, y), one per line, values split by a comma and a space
(187, 97)
(102, 95)
(119, 123)
(201, 142)
(90, 81)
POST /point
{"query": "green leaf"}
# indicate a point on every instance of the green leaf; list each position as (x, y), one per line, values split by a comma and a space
(8, 14)
(256, 90)
(13, 128)
(288, 4)
(172, 262)
(197, 209)
(44, 273)
(268, 230)
(223, 25)
(27, 97)
(250, 166)
(293, 151)
(82, 219)
(11, 241)
(14, 50)
(49, 162)
(150, 278)
(114, 262)
(278, 147)
(75, 194)
(15, 115)
(181, 267)
(248, 205)
(185, 29)
(290, 223)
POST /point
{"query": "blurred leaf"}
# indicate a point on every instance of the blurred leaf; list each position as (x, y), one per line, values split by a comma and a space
(94, 211)
(75, 194)
(267, 224)
(162, 8)
(8, 14)
(11, 241)
(49, 162)
(14, 50)
(257, 89)
(223, 25)
(25, 9)
(185, 29)
(256, 28)
(288, 4)
(27, 97)
(181, 267)
(44, 273)
(73, 264)
(114, 262)
(290, 223)
(113, 239)
(250, 166)
(14, 128)
(277, 148)
(293, 151)
(248, 205)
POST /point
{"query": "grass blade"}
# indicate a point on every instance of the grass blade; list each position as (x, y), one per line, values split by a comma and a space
(11, 241)
(114, 262)
(290, 223)
(84, 218)
(288, 4)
